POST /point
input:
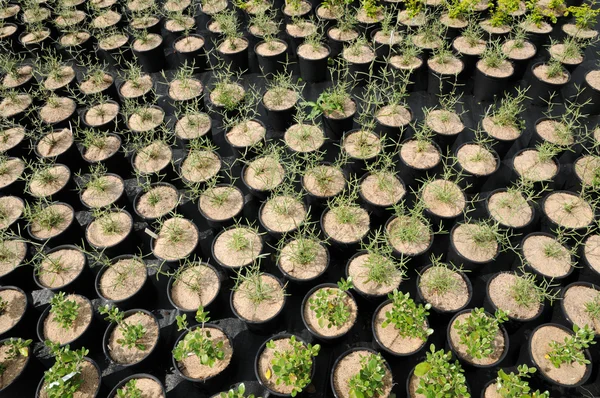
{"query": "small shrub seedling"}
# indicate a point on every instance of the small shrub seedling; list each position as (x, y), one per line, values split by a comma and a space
(479, 330)
(198, 341)
(293, 367)
(238, 392)
(369, 381)
(571, 350)
(130, 390)
(330, 305)
(17, 347)
(64, 311)
(408, 318)
(511, 385)
(64, 378)
(440, 377)
(133, 334)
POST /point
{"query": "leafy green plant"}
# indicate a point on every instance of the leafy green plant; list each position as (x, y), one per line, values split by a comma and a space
(331, 100)
(293, 367)
(330, 305)
(369, 381)
(133, 334)
(408, 318)
(17, 347)
(511, 385)
(571, 350)
(439, 376)
(237, 392)
(585, 15)
(198, 341)
(478, 332)
(130, 390)
(65, 377)
(64, 311)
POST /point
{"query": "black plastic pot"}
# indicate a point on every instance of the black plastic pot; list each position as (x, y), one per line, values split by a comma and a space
(219, 224)
(140, 298)
(314, 70)
(69, 235)
(152, 60)
(110, 125)
(441, 83)
(540, 276)
(474, 182)
(210, 306)
(144, 362)
(359, 73)
(11, 40)
(416, 259)
(335, 128)
(122, 247)
(280, 119)
(519, 231)
(237, 60)
(257, 374)
(487, 87)
(80, 284)
(335, 46)
(302, 285)
(474, 267)
(316, 335)
(590, 94)
(411, 175)
(88, 338)
(142, 192)
(117, 55)
(271, 64)
(332, 383)
(396, 132)
(343, 247)
(36, 47)
(230, 270)
(25, 325)
(195, 251)
(122, 383)
(378, 211)
(539, 90)
(500, 145)
(469, 60)
(266, 326)
(520, 65)
(96, 393)
(213, 383)
(196, 57)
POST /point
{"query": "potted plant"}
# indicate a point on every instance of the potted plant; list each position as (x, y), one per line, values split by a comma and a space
(131, 337)
(342, 33)
(511, 384)
(237, 247)
(538, 165)
(203, 353)
(519, 51)
(50, 222)
(437, 374)
(148, 49)
(445, 121)
(336, 107)
(477, 161)
(388, 36)
(512, 206)
(361, 371)
(285, 364)
(546, 79)
(344, 222)
(380, 187)
(13, 258)
(280, 99)
(569, 52)
(580, 305)
(122, 280)
(84, 374)
(322, 181)
(313, 56)
(141, 384)
(220, 203)
(444, 68)
(137, 85)
(111, 231)
(245, 133)
(470, 45)
(266, 172)
(547, 255)
(14, 365)
(360, 57)
(362, 146)
(585, 20)
(271, 52)
(184, 89)
(63, 268)
(99, 189)
(329, 311)
(15, 312)
(283, 212)
(567, 211)
(153, 155)
(233, 48)
(400, 326)
(201, 163)
(176, 239)
(227, 94)
(192, 122)
(493, 72)
(443, 198)
(193, 285)
(67, 321)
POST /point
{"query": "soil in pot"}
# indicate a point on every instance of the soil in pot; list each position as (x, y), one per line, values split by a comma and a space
(122, 279)
(587, 170)
(324, 181)
(102, 149)
(360, 268)
(12, 365)
(471, 242)
(10, 171)
(282, 213)
(221, 203)
(11, 138)
(567, 373)
(434, 197)
(153, 158)
(476, 160)
(461, 349)
(54, 332)
(304, 138)
(60, 267)
(382, 189)
(420, 154)
(292, 260)
(55, 143)
(11, 210)
(574, 303)
(510, 209)
(109, 229)
(502, 291)
(60, 211)
(49, 180)
(227, 95)
(107, 189)
(248, 310)
(452, 299)
(146, 119)
(349, 366)
(191, 366)
(343, 232)
(445, 123)
(134, 89)
(237, 247)
(98, 83)
(390, 337)
(181, 90)
(408, 235)
(176, 240)
(13, 253)
(264, 173)
(528, 165)
(499, 131)
(193, 126)
(58, 110)
(22, 75)
(547, 256)
(200, 166)
(15, 305)
(568, 210)
(101, 114)
(361, 145)
(312, 322)
(246, 134)
(591, 252)
(11, 107)
(158, 201)
(195, 286)
(555, 132)
(122, 354)
(148, 387)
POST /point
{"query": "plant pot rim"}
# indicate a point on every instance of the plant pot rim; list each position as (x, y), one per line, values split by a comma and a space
(112, 326)
(104, 268)
(261, 349)
(137, 376)
(495, 307)
(172, 281)
(429, 245)
(131, 231)
(182, 335)
(535, 270)
(463, 257)
(555, 85)
(270, 56)
(87, 359)
(305, 303)
(256, 323)
(318, 59)
(439, 310)
(490, 150)
(586, 352)
(562, 298)
(58, 288)
(228, 267)
(307, 280)
(384, 347)
(46, 314)
(344, 355)
(470, 363)
(443, 75)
